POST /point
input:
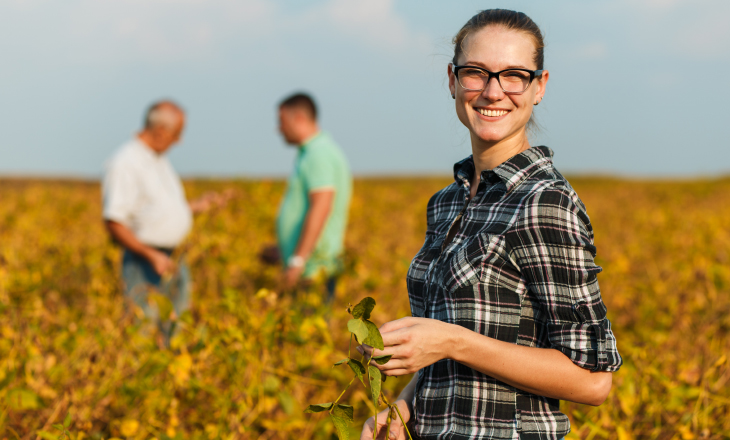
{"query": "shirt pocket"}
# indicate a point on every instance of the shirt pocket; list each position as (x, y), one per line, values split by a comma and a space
(466, 264)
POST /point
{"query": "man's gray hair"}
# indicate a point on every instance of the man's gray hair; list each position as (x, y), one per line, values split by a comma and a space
(163, 114)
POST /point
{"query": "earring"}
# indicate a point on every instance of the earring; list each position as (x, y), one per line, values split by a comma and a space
(453, 96)
(538, 102)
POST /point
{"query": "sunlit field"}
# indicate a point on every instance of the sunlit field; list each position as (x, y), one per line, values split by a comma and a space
(249, 359)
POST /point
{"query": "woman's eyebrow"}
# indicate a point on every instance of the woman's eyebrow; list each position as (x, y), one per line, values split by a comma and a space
(480, 64)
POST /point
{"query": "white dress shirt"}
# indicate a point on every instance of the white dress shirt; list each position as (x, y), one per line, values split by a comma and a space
(142, 191)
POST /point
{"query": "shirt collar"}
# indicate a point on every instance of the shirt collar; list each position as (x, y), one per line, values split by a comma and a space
(512, 172)
(311, 139)
(146, 150)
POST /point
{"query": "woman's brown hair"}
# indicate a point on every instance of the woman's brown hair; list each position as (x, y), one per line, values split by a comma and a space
(513, 20)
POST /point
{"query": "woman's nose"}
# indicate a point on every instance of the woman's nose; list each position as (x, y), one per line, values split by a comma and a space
(493, 91)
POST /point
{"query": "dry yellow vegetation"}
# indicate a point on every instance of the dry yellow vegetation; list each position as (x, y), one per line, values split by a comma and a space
(249, 359)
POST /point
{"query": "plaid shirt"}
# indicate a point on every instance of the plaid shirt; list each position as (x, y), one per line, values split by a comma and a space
(519, 269)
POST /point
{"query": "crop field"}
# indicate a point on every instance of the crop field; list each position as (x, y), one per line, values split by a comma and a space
(249, 358)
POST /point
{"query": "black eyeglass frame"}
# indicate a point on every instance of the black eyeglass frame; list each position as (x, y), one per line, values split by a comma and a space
(533, 74)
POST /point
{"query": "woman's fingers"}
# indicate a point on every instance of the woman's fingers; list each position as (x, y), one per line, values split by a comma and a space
(367, 429)
(398, 372)
(395, 367)
(397, 324)
(397, 432)
(366, 351)
(398, 336)
(396, 427)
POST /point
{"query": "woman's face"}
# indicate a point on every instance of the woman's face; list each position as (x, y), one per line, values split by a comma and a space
(495, 48)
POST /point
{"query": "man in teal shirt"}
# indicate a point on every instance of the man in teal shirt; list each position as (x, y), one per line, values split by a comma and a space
(313, 214)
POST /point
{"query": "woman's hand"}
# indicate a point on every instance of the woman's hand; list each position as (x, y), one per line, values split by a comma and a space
(414, 343)
(397, 432)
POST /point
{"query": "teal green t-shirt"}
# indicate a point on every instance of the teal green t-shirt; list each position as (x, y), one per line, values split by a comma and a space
(320, 164)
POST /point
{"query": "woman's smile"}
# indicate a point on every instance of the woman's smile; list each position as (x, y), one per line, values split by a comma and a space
(489, 114)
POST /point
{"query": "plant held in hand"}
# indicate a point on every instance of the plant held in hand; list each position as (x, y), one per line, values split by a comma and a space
(364, 332)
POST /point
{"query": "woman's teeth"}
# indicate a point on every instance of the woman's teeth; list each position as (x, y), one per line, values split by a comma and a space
(486, 112)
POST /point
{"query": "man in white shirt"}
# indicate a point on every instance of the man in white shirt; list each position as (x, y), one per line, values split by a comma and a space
(145, 211)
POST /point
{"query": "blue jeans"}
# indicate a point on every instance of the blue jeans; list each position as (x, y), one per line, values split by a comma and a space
(331, 286)
(139, 276)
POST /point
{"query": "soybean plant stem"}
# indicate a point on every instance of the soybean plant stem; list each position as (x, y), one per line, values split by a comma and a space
(343, 392)
(385, 399)
(403, 422)
(388, 420)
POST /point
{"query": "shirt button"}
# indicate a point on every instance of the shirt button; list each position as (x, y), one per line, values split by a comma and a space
(582, 311)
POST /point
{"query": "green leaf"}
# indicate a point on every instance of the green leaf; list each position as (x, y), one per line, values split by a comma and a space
(341, 362)
(67, 420)
(318, 407)
(358, 368)
(287, 402)
(46, 435)
(375, 383)
(342, 426)
(363, 308)
(343, 411)
(382, 359)
(359, 328)
(21, 399)
(58, 426)
(373, 339)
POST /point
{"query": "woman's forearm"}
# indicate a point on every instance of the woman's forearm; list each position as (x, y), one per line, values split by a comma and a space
(543, 371)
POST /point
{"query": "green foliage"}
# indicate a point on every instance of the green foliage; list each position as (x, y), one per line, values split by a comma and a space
(364, 330)
(358, 369)
(363, 308)
(376, 382)
(62, 428)
(382, 359)
(358, 328)
(319, 407)
(370, 376)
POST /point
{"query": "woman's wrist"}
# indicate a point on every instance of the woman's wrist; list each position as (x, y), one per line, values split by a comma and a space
(462, 344)
(455, 342)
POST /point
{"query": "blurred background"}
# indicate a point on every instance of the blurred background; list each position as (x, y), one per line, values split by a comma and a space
(634, 110)
(637, 87)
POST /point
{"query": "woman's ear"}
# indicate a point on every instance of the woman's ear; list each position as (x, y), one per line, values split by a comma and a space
(541, 85)
(452, 80)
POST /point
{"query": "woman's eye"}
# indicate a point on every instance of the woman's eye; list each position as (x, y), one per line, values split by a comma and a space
(515, 75)
(474, 72)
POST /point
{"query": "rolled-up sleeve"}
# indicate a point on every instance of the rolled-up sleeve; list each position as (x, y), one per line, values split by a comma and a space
(552, 246)
(119, 194)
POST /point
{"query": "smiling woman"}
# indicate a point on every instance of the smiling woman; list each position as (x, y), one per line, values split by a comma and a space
(508, 317)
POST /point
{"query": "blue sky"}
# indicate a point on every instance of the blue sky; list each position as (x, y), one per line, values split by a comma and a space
(637, 87)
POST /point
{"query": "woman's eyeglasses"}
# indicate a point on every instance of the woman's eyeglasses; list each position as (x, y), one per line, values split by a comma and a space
(512, 81)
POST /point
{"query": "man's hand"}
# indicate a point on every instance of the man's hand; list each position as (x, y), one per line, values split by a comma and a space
(397, 432)
(162, 264)
(270, 255)
(291, 276)
(211, 200)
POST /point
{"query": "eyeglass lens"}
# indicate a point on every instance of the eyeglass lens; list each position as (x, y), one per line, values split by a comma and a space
(512, 81)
